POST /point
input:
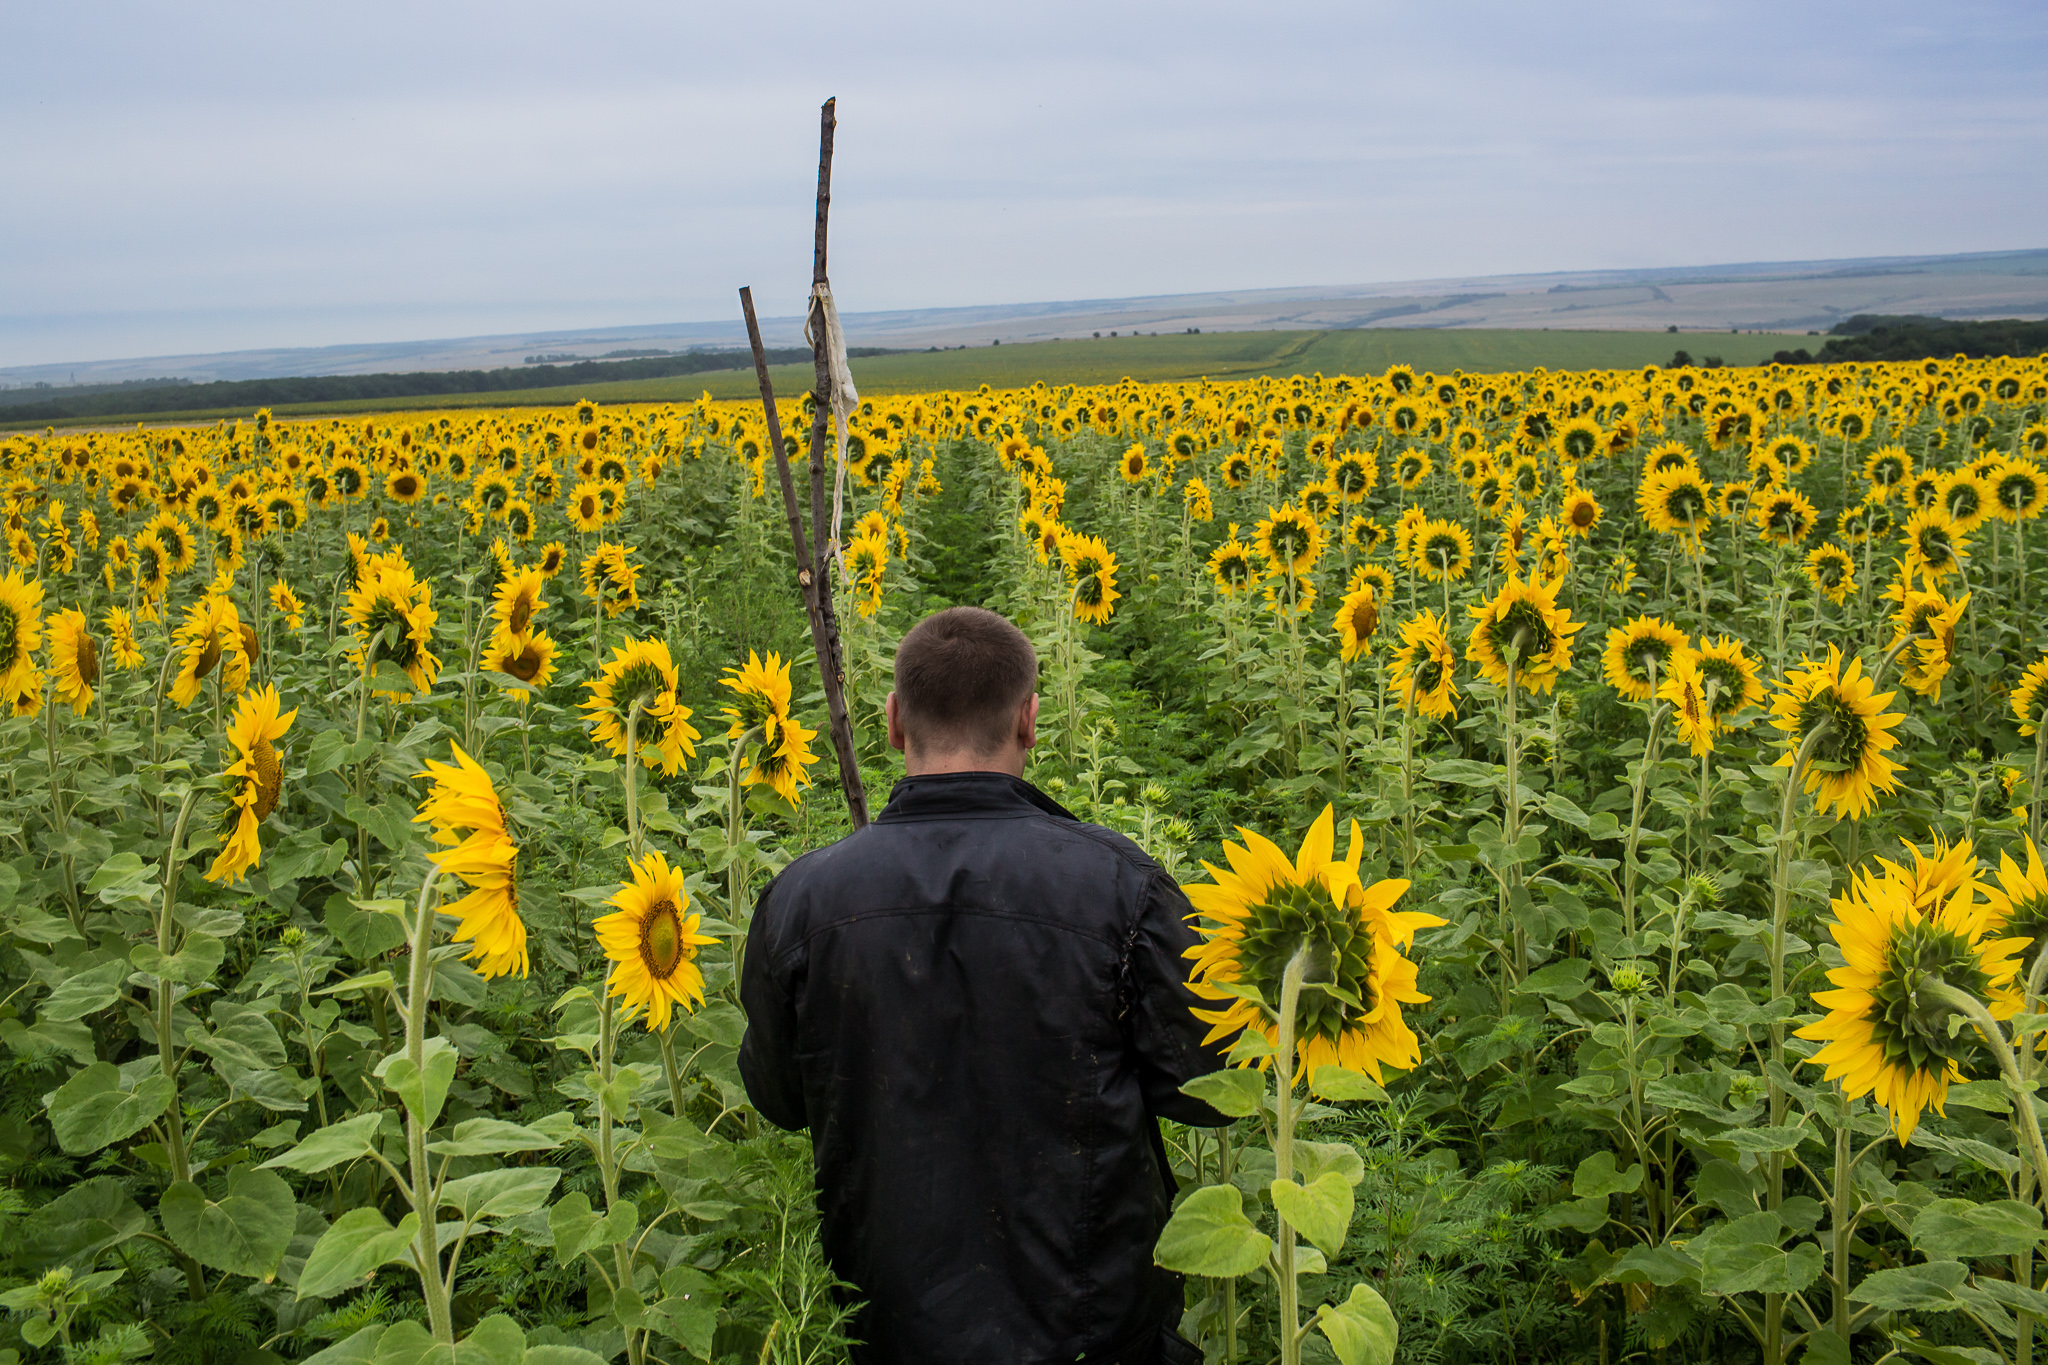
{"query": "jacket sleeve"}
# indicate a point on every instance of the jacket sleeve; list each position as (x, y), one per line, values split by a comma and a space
(1164, 1032)
(768, 1051)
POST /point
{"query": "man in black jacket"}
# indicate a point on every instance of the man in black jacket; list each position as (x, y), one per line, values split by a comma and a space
(978, 1005)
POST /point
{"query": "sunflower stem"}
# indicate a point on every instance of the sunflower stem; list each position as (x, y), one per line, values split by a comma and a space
(1283, 1155)
(418, 989)
(735, 833)
(1635, 815)
(630, 776)
(166, 992)
(1974, 1010)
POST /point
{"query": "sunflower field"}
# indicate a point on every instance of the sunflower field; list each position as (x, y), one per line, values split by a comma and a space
(1611, 804)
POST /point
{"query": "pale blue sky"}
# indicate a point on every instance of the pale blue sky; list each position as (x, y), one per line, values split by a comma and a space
(200, 178)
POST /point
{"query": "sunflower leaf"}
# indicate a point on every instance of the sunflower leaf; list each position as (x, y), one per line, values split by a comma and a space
(1233, 1092)
(360, 1241)
(1209, 1235)
(1361, 1330)
(422, 1086)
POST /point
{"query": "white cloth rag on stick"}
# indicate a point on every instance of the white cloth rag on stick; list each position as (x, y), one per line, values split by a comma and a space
(843, 400)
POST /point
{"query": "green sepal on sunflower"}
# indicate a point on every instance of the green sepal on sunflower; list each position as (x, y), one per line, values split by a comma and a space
(1256, 915)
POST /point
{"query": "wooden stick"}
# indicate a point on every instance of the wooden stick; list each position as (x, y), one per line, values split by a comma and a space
(813, 553)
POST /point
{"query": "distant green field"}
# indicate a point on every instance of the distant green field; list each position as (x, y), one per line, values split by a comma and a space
(1213, 355)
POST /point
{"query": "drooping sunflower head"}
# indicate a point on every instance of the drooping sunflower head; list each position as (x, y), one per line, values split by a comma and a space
(1195, 499)
(652, 941)
(121, 638)
(210, 638)
(469, 824)
(74, 660)
(1838, 706)
(1423, 672)
(782, 758)
(1358, 621)
(1522, 620)
(1886, 1032)
(393, 616)
(1267, 910)
(611, 578)
(1639, 654)
(252, 784)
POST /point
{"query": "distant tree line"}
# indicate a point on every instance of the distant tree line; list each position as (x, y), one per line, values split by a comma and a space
(1912, 336)
(338, 388)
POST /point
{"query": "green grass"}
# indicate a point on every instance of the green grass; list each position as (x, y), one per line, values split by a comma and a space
(1212, 355)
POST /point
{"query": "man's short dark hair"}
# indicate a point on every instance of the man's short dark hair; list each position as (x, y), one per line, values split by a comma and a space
(961, 674)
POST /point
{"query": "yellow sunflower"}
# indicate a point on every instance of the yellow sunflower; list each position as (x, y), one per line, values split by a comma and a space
(405, 485)
(1832, 572)
(2019, 903)
(782, 758)
(518, 600)
(74, 660)
(1255, 918)
(1424, 667)
(1195, 500)
(642, 671)
(1730, 678)
(1441, 551)
(393, 617)
(210, 637)
(1091, 570)
(1933, 545)
(586, 508)
(611, 579)
(1848, 767)
(2019, 490)
(253, 782)
(2030, 697)
(553, 556)
(1581, 513)
(1230, 566)
(287, 604)
(461, 801)
(652, 942)
(1783, 516)
(1640, 653)
(762, 693)
(1289, 538)
(527, 655)
(1887, 469)
(1523, 616)
(1357, 621)
(1884, 1035)
(1924, 633)
(121, 638)
(1685, 688)
(21, 630)
(1967, 501)
(1676, 501)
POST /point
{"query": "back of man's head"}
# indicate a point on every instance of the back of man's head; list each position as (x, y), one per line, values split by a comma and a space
(961, 675)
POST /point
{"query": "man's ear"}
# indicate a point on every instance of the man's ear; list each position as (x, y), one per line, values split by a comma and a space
(897, 739)
(1027, 722)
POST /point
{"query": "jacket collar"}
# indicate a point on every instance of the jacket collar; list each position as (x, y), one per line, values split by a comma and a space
(967, 796)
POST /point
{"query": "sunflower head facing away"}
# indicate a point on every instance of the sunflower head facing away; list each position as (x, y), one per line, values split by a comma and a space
(761, 693)
(651, 939)
(1091, 569)
(1523, 618)
(1884, 1033)
(1257, 915)
(1290, 538)
(1231, 568)
(1639, 655)
(2019, 903)
(1848, 766)
(641, 672)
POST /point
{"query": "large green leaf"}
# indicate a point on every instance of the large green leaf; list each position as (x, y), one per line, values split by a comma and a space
(195, 962)
(422, 1087)
(1233, 1092)
(578, 1228)
(489, 1137)
(86, 992)
(81, 1224)
(1361, 1330)
(1759, 1268)
(1930, 1287)
(96, 1108)
(1319, 1211)
(408, 1343)
(245, 1233)
(1209, 1235)
(1959, 1230)
(503, 1193)
(496, 1340)
(360, 1348)
(330, 1146)
(1597, 1176)
(1332, 1082)
(359, 1242)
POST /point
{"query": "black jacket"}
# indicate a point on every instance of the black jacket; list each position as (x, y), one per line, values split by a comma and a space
(978, 1005)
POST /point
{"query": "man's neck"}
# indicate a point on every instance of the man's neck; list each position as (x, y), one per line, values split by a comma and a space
(963, 761)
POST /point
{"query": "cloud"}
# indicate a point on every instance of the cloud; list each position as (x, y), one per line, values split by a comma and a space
(269, 175)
